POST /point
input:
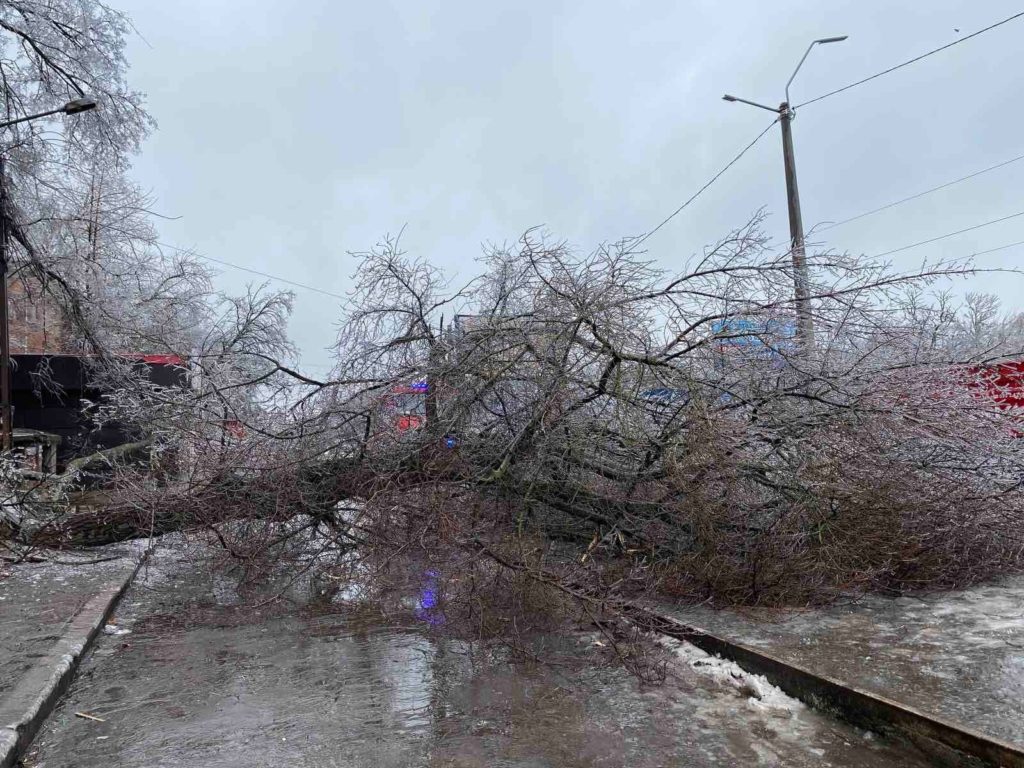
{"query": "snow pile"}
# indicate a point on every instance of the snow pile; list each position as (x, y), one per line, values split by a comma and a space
(759, 693)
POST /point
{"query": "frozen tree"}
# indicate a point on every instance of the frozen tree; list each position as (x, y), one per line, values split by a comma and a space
(598, 426)
(83, 238)
(83, 231)
(594, 430)
(588, 427)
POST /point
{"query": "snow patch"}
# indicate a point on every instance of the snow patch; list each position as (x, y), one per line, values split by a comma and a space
(759, 693)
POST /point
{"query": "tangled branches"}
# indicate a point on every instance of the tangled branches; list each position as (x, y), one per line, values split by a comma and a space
(606, 430)
(671, 432)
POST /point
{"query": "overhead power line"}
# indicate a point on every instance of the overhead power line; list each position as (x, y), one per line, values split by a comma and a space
(267, 275)
(952, 234)
(710, 181)
(997, 248)
(913, 60)
(919, 194)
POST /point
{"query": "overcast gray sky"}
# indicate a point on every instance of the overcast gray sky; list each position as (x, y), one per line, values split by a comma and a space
(290, 136)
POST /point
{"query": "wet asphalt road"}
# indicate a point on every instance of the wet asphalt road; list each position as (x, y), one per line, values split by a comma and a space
(202, 680)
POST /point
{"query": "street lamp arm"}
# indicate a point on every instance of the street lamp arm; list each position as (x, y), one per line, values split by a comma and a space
(822, 41)
(30, 117)
(800, 64)
(727, 97)
(73, 107)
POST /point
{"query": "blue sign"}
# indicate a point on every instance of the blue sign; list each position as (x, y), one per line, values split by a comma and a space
(754, 334)
(665, 395)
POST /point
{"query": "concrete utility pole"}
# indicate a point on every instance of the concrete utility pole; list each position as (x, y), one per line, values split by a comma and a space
(7, 427)
(5, 340)
(801, 276)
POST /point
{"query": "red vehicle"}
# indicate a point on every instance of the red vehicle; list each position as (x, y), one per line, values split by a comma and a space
(1002, 382)
(405, 407)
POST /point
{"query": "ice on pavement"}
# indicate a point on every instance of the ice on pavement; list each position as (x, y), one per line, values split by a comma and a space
(759, 692)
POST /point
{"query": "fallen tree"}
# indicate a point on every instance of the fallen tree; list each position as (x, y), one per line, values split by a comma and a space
(662, 432)
(593, 419)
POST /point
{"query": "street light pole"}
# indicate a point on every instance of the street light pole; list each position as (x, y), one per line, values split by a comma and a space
(73, 107)
(801, 276)
(5, 339)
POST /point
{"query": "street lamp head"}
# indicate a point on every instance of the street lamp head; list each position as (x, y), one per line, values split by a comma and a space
(832, 39)
(727, 97)
(75, 106)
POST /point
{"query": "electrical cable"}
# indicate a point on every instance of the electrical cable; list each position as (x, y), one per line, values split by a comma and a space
(997, 248)
(951, 234)
(711, 181)
(253, 271)
(911, 61)
(919, 194)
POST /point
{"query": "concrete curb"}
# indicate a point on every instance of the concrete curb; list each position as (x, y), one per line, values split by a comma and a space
(944, 742)
(31, 701)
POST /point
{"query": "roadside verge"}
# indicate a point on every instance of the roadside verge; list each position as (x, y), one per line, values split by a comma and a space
(946, 742)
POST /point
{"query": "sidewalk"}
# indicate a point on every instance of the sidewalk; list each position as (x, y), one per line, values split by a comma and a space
(958, 656)
(49, 615)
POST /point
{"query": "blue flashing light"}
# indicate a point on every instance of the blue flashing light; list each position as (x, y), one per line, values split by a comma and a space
(427, 604)
(428, 598)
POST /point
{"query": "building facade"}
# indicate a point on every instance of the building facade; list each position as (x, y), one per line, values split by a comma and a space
(36, 323)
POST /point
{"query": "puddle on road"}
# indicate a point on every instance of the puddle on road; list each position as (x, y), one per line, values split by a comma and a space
(202, 684)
